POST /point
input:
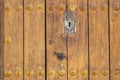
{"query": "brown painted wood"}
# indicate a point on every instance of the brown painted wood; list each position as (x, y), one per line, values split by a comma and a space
(34, 39)
(56, 40)
(115, 39)
(98, 40)
(13, 33)
(78, 42)
(1, 39)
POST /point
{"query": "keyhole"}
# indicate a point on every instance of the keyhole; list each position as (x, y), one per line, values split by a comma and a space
(69, 24)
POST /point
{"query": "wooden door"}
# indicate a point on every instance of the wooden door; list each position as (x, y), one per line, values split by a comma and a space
(35, 43)
(1, 39)
(114, 39)
(34, 40)
(56, 41)
(13, 39)
(78, 43)
(98, 40)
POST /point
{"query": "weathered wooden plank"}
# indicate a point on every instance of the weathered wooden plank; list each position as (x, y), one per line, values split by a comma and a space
(98, 40)
(34, 39)
(78, 42)
(115, 39)
(1, 39)
(56, 40)
(13, 33)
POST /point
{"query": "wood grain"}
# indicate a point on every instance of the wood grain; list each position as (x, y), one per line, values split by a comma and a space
(34, 39)
(98, 40)
(13, 33)
(1, 39)
(78, 42)
(56, 40)
(23, 45)
(115, 39)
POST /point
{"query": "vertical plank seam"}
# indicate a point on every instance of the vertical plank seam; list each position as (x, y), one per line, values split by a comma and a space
(67, 50)
(23, 42)
(3, 44)
(109, 38)
(45, 22)
(67, 42)
(1, 40)
(2, 75)
(88, 40)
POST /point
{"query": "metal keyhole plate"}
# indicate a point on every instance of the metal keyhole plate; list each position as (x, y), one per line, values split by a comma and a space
(69, 23)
